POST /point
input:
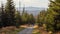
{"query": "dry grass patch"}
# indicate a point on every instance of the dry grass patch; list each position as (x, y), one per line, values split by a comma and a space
(35, 26)
(10, 30)
(36, 31)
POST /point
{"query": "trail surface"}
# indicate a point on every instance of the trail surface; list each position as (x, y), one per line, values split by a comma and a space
(28, 30)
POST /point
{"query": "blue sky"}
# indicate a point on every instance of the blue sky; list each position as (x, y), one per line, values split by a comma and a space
(30, 3)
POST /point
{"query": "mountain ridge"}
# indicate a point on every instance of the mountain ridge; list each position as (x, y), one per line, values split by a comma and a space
(31, 10)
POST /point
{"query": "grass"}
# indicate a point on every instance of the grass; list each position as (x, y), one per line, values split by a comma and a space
(11, 31)
(36, 31)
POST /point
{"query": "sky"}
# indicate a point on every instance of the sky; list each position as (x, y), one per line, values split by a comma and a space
(29, 3)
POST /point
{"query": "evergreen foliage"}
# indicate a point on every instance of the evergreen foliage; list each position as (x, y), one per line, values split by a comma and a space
(10, 13)
(51, 17)
(9, 16)
(54, 14)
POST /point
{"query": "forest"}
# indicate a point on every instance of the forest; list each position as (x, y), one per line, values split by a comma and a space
(9, 16)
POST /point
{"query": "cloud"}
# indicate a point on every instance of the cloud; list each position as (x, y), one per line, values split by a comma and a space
(33, 3)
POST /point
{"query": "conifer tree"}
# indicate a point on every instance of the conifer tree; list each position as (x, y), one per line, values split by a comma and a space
(54, 15)
(2, 16)
(10, 12)
(31, 19)
(18, 18)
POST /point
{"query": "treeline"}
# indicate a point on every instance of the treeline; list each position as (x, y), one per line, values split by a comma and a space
(9, 16)
(51, 17)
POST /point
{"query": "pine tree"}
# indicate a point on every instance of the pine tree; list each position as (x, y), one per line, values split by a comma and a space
(38, 20)
(54, 15)
(41, 17)
(25, 18)
(31, 19)
(10, 13)
(23, 11)
(2, 17)
(18, 19)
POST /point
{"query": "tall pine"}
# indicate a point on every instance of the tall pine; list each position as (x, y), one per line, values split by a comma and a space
(54, 15)
(2, 16)
(10, 13)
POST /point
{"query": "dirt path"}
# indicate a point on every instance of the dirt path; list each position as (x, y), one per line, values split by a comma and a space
(27, 31)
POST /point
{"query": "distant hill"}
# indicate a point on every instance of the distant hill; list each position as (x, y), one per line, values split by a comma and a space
(33, 10)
